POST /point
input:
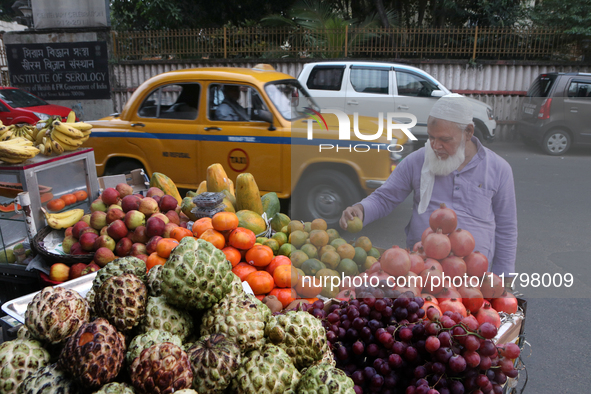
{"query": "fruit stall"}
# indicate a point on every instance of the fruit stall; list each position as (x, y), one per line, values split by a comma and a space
(219, 291)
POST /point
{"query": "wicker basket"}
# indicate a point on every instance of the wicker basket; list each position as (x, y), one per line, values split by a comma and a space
(52, 258)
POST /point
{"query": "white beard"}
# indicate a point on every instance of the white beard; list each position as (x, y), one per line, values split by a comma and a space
(443, 167)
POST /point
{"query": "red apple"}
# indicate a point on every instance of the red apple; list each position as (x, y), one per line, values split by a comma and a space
(59, 272)
(155, 226)
(140, 235)
(76, 270)
(117, 230)
(104, 230)
(151, 245)
(137, 249)
(110, 196)
(77, 227)
(92, 267)
(98, 205)
(154, 191)
(114, 214)
(86, 218)
(123, 247)
(67, 243)
(87, 241)
(173, 217)
(167, 203)
(157, 199)
(143, 257)
(168, 228)
(134, 219)
(161, 216)
(124, 189)
(148, 206)
(98, 220)
(76, 249)
(68, 231)
(103, 256)
(129, 203)
(104, 241)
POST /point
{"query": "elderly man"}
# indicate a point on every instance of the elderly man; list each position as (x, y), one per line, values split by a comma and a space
(229, 109)
(453, 168)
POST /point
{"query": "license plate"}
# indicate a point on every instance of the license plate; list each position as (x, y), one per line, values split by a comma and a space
(528, 110)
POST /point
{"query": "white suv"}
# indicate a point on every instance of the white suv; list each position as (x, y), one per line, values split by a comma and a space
(372, 87)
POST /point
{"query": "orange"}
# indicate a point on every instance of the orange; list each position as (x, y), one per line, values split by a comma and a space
(223, 221)
(286, 276)
(179, 233)
(259, 256)
(153, 260)
(242, 238)
(242, 270)
(286, 296)
(260, 297)
(80, 195)
(165, 246)
(276, 262)
(56, 204)
(69, 199)
(201, 225)
(308, 286)
(261, 282)
(233, 255)
(215, 237)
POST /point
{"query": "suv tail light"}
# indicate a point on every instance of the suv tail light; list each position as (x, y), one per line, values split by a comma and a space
(545, 109)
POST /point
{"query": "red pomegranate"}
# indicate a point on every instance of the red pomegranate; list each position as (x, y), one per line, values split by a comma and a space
(492, 286)
(395, 261)
(437, 245)
(453, 305)
(417, 264)
(471, 298)
(476, 264)
(443, 218)
(462, 242)
(505, 303)
(453, 266)
(487, 314)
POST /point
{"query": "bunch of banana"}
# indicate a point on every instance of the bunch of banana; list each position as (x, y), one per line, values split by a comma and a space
(17, 150)
(24, 130)
(57, 137)
(63, 219)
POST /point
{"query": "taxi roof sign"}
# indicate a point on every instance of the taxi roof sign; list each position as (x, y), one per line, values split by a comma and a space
(263, 67)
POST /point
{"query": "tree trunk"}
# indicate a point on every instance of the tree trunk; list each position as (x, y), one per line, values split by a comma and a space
(382, 13)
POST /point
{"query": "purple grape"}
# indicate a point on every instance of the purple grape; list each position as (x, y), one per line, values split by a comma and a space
(375, 315)
(456, 387)
(365, 333)
(364, 310)
(420, 372)
(333, 308)
(358, 323)
(370, 301)
(352, 335)
(358, 348)
(457, 363)
(355, 302)
(399, 347)
(421, 313)
(352, 313)
(333, 318)
(372, 350)
(395, 361)
(369, 372)
(438, 368)
(400, 313)
(358, 377)
(380, 305)
(342, 333)
(331, 336)
(444, 339)
(422, 389)
(358, 389)
(341, 353)
(405, 334)
(346, 324)
(412, 307)
(443, 354)
(318, 304)
(377, 381)
(384, 368)
(411, 354)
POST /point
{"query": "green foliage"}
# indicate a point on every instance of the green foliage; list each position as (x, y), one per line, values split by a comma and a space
(572, 16)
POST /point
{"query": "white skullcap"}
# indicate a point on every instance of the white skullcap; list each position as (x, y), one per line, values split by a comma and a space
(454, 108)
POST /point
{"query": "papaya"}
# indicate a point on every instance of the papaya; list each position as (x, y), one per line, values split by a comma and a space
(165, 184)
(229, 207)
(247, 194)
(202, 188)
(191, 194)
(279, 220)
(271, 204)
(217, 180)
(186, 206)
(230, 197)
(252, 221)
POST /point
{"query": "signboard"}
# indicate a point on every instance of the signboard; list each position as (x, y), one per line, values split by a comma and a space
(70, 13)
(60, 71)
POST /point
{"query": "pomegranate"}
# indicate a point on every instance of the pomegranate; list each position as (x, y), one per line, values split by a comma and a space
(429, 298)
(470, 322)
(462, 242)
(453, 266)
(428, 231)
(417, 264)
(381, 275)
(453, 305)
(505, 303)
(487, 314)
(429, 262)
(346, 295)
(492, 286)
(432, 280)
(395, 261)
(414, 280)
(476, 264)
(437, 245)
(375, 267)
(448, 292)
(443, 218)
(471, 298)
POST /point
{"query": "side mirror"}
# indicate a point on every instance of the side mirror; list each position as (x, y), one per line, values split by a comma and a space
(437, 93)
(267, 117)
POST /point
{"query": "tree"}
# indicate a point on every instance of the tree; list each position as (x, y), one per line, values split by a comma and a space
(570, 16)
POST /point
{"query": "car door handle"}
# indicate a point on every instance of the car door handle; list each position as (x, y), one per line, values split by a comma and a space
(352, 102)
(574, 109)
(402, 107)
(138, 125)
(212, 129)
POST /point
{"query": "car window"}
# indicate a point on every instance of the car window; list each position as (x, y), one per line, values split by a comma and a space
(17, 98)
(234, 103)
(290, 99)
(410, 84)
(541, 86)
(370, 80)
(579, 89)
(326, 78)
(174, 101)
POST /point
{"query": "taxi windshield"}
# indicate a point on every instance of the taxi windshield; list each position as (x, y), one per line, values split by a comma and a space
(290, 99)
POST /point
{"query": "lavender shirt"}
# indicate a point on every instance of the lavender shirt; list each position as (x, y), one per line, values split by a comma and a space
(482, 194)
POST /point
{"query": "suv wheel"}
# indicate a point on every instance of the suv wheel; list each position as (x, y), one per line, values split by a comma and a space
(324, 194)
(556, 142)
(479, 133)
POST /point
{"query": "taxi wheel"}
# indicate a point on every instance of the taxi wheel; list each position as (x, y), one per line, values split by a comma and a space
(324, 194)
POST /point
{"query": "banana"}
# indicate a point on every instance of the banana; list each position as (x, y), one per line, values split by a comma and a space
(3, 130)
(48, 147)
(65, 139)
(11, 161)
(80, 126)
(63, 219)
(57, 148)
(41, 148)
(71, 117)
(40, 134)
(7, 136)
(67, 130)
(17, 141)
(18, 152)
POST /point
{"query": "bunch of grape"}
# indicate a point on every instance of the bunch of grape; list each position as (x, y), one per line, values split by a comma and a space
(392, 346)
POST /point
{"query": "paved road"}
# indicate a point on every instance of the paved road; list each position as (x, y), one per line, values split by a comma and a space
(553, 197)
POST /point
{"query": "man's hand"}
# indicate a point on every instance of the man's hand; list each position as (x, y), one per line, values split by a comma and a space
(349, 213)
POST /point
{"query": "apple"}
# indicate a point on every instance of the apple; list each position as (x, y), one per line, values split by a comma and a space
(104, 230)
(143, 257)
(103, 256)
(87, 241)
(157, 199)
(98, 205)
(123, 247)
(173, 217)
(117, 230)
(134, 219)
(77, 227)
(104, 241)
(68, 231)
(110, 196)
(137, 249)
(98, 220)
(67, 243)
(86, 218)
(148, 206)
(92, 267)
(154, 191)
(124, 189)
(59, 272)
(129, 203)
(151, 245)
(167, 203)
(76, 270)
(115, 214)
(155, 226)
(76, 249)
(161, 216)
(87, 230)
(168, 228)
(140, 235)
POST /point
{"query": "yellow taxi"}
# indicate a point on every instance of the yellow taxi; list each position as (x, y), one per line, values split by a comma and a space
(250, 120)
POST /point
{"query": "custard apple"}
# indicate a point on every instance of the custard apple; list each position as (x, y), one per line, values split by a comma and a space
(55, 314)
(236, 285)
(240, 318)
(154, 281)
(18, 359)
(162, 316)
(120, 266)
(24, 333)
(325, 379)
(90, 296)
(300, 334)
(122, 300)
(48, 380)
(267, 370)
(94, 354)
(161, 368)
(196, 275)
(215, 361)
(116, 388)
(148, 339)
